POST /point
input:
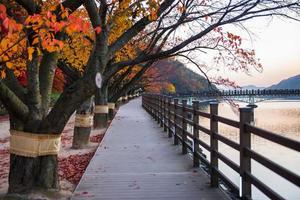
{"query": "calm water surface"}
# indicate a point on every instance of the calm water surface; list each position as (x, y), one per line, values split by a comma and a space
(282, 117)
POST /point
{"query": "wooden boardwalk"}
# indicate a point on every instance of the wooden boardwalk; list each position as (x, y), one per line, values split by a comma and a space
(136, 160)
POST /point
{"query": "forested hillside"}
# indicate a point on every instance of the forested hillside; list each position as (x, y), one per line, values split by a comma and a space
(172, 72)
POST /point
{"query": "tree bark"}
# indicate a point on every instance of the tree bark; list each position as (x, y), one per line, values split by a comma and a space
(111, 113)
(82, 134)
(101, 119)
(47, 72)
(28, 173)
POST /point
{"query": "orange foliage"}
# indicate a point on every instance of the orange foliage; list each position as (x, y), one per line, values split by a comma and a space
(154, 81)
(11, 44)
(15, 51)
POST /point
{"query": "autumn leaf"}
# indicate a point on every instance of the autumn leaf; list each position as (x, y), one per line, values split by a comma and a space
(30, 52)
(9, 65)
(6, 23)
(35, 40)
(2, 8)
(5, 58)
(98, 29)
(15, 48)
(170, 88)
(4, 43)
(2, 74)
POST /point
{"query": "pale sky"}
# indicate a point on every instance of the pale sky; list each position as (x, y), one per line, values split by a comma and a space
(277, 44)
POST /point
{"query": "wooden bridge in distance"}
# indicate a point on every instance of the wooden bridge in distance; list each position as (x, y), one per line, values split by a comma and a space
(136, 160)
(247, 96)
(253, 92)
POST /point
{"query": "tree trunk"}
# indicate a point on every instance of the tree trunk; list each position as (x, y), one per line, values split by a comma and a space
(31, 173)
(111, 110)
(101, 116)
(111, 114)
(28, 173)
(82, 130)
(81, 137)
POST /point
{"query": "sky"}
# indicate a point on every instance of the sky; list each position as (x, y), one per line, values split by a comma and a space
(277, 45)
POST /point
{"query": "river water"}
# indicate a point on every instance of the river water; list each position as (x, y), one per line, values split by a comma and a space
(282, 117)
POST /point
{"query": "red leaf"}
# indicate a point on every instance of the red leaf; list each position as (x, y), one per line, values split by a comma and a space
(98, 29)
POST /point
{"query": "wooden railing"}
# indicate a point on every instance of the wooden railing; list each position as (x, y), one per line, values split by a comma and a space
(173, 117)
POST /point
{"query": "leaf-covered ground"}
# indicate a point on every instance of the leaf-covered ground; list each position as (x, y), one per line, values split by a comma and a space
(72, 162)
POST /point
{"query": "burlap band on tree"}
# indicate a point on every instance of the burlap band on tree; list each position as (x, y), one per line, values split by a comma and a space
(33, 145)
(101, 109)
(111, 105)
(83, 120)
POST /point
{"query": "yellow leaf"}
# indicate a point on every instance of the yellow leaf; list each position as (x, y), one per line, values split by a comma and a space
(15, 48)
(35, 41)
(39, 51)
(4, 43)
(30, 52)
(17, 73)
(2, 74)
(9, 65)
(5, 58)
(51, 49)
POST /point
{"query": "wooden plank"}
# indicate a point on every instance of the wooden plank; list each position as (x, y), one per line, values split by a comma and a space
(137, 160)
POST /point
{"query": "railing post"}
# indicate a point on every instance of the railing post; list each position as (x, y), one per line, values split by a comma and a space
(161, 98)
(153, 101)
(246, 115)
(152, 106)
(175, 121)
(148, 103)
(157, 108)
(214, 179)
(196, 133)
(184, 126)
(165, 107)
(146, 99)
(169, 117)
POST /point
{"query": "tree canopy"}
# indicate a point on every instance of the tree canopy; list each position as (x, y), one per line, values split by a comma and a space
(110, 36)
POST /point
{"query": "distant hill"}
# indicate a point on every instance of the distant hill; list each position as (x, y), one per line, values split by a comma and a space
(252, 87)
(184, 79)
(290, 83)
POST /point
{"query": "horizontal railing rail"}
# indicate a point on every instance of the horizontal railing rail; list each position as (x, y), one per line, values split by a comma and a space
(175, 118)
(242, 92)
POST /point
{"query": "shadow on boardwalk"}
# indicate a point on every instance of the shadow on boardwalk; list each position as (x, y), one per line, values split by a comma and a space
(136, 160)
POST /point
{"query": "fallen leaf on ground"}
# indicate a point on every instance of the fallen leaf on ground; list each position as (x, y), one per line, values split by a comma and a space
(72, 168)
(96, 138)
